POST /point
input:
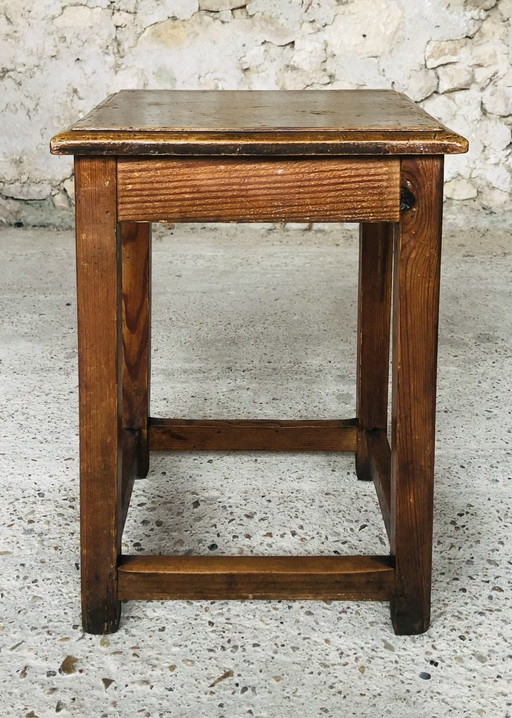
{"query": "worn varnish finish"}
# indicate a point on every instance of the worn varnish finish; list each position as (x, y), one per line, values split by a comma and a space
(379, 464)
(417, 261)
(136, 282)
(242, 190)
(369, 156)
(130, 450)
(373, 327)
(257, 577)
(99, 366)
(251, 435)
(258, 123)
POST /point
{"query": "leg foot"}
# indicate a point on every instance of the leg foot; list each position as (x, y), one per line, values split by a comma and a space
(408, 620)
(103, 619)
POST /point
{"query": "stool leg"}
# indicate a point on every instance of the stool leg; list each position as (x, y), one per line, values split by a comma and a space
(136, 251)
(415, 322)
(99, 310)
(374, 309)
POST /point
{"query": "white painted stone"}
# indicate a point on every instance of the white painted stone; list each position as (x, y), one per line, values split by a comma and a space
(289, 11)
(494, 134)
(59, 58)
(239, 12)
(321, 12)
(491, 61)
(61, 200)
(26, 190)
(481, 4)
(309, 52)
(483, 76)
(43, 10)
(493, 29)
(77, 15)
(129, 77)
(264, 66)
(454, 77)
(442, 53)
(498, 101)
(490, 54)
(420, 84)
(215, 47)
(492, 197)
(254, 58)
(170, 33)
(225, 15)
(69, 187)
(270, 29)
(460, 189)
(441, 106)
(122, 19)
(365, 28)
(75, 26)
(306, 67)
(127, 5)
(499, 177)
(219, 5)
(505, 9)
(153, 11)
(351, 72)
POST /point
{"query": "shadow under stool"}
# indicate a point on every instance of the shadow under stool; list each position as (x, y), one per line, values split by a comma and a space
(366, 156)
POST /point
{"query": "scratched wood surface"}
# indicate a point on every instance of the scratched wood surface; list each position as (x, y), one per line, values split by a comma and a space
(100, 378)
(316, 122)
(250, 190)
(417, 267)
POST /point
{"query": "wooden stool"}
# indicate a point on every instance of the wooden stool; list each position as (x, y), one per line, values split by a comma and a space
(371, 157)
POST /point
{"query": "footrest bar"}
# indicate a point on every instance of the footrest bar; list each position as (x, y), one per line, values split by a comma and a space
(251, 435)
(359, 578)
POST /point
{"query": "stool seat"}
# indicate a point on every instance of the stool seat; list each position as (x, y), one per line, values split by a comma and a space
(262, 123)
(366, 156)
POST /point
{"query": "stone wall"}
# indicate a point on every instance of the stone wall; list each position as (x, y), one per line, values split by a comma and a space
(60, 58)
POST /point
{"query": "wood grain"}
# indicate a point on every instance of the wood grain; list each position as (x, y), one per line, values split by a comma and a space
(379, 463)
(251, 435)
(415, 323)
(136, 292)
(257, 157)
(99, 365)
(130, 449)
(256, 577)
(242, 190)
(373, 335)
(258, 123)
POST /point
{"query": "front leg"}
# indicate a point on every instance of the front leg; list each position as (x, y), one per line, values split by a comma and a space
(99, 352)
(417, 259)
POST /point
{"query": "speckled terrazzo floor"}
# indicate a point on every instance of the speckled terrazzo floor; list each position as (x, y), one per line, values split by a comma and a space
(255, 322)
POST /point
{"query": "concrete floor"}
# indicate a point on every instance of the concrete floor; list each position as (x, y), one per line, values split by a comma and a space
(255, 322)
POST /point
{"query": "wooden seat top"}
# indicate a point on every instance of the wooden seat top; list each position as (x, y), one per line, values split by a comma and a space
(267, 123)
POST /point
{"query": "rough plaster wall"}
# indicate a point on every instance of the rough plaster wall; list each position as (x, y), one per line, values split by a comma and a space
(59, 58)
